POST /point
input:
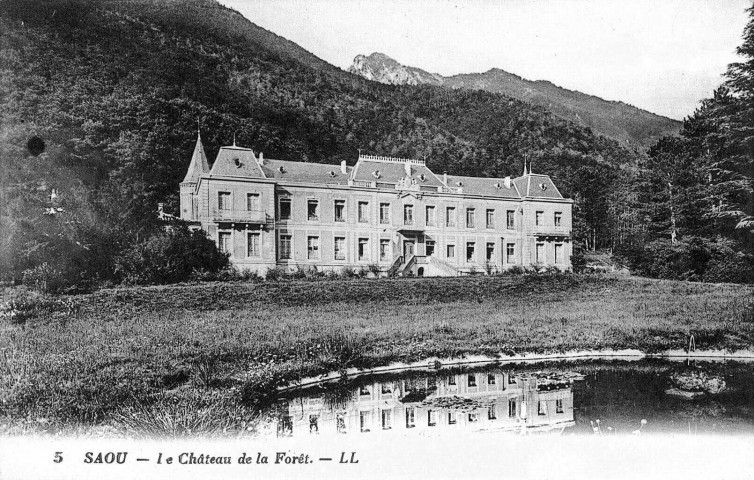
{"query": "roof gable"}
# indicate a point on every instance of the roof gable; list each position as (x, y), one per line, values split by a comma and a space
(236, 162)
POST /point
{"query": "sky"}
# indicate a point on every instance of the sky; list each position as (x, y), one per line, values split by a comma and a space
(660, 55)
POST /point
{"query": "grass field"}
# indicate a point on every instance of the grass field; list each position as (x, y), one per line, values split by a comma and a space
(204, 358)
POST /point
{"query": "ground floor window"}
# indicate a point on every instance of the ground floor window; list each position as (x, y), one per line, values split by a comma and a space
(541, 408)
(410, 418)
(451, 251)
(540, 253)
(431, 418)
(452, 418)
(429, 248)
(491, 413)
(559, 405)
(364, 421)
(490, 252)
(312, 248)
(224, 242)
(384, 249)
(387, 419)
(558, 253)
(510, 253)
(340, 248)
(285, 247)
(253, 245)
(363, 249)
(470, 251)
(511, 407)
(472, 380)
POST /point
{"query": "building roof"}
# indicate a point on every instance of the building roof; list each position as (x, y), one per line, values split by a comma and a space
(235, 161)
(489, 187)
(304, 172)
(198, 163)
(393, 172)
(537, 185)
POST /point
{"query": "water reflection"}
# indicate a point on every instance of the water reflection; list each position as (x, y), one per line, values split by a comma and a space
(433, 404)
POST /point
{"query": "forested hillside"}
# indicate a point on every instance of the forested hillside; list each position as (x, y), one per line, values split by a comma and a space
(115, 89)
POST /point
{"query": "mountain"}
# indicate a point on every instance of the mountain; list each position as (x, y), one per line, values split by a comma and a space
(629, 125)
(115, 89)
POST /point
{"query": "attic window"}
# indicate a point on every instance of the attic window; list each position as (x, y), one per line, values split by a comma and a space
(376, 174)
(543, 186)
(237, 161)
(460, 184)
(498, 186)
(332, 174)
(281, 169)
(423, 177)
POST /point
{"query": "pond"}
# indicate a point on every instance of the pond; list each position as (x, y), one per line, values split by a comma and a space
(642, 397)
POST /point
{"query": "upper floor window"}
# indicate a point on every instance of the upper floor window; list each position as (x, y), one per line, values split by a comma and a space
(510, 219)
(450, 217)
(312, 209)
(340, 210)
(384, 213)
(490, 218)
(223, 200)
(557, 218)
(538, 218)
(470, 217)
(430, 211)
(408, 214)
(252, 202)
(472, 380)
(285, 209)
(364, 212)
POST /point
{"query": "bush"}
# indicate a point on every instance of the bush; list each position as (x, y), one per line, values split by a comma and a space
(170, 257)
(44, 278)
(27, 305)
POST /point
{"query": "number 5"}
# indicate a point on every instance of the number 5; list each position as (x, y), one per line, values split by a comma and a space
(58, 457)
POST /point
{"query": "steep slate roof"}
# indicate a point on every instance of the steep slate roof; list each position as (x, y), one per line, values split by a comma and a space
(198, 163)
(484, 186)
(531, 186)
(303, 172)
(236, 162)
(393, 172)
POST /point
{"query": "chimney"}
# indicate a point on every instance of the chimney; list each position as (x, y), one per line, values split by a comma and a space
(445, 178)
(260, 160)
(407, 167)
(343, 168)
(507, 182)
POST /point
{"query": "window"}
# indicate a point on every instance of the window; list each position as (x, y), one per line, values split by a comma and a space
(252, 245)
(429, 248)
(285, 209)
(473, 417)
(431, 418)
(451, 251)
(363, 212)
(511, 380)
(452, 418)
(384, 213)
(558, 253)
(430, 210)
(410, 417)
(490, 218)
(541, 408)
(452, 380)
(312, 248)
(470, 251)
(538, 218)
(490, 252)
(364, 421)
(386, 388)
(510, 253)
(312, 210)
(491, 413)
(469, 218)
(511, 407)
(363, 249)
(450, 217)
(223, 200)
(340, 210)
(491, 380)
(387, 419)
(384, 249)
(285, 247)
(510, 219)
(540, 253)
(559, 405)
(340, 248)
(472, 380)
(252, 202)
(408, 214)
(340, 423)
(224, 242)
(364, 390)
(557, 218)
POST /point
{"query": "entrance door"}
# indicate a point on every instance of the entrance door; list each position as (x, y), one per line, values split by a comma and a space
(408, 248)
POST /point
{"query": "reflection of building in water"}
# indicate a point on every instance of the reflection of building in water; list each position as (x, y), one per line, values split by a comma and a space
(470, 401)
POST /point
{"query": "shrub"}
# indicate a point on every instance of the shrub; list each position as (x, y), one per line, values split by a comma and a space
(274, 274)
(44, 278)
(27, 305)
(170, 257)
